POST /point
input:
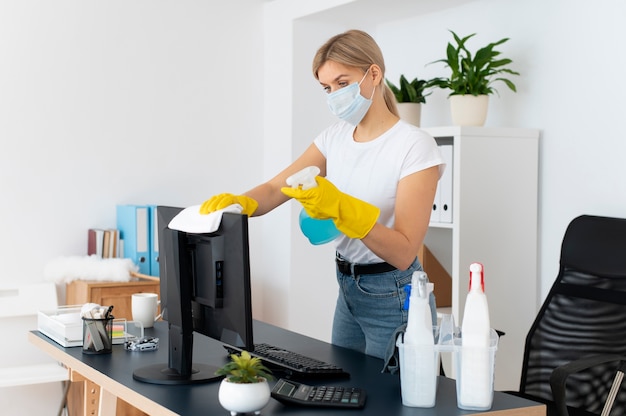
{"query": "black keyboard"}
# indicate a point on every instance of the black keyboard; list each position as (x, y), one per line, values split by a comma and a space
(292, 364)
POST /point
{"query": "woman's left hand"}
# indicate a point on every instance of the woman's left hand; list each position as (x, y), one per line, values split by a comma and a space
(352, 216)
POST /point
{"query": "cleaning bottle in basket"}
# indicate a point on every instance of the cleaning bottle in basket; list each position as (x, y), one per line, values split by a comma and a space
(476, 376)
(419, 327)
(418, 366)
(316, 230)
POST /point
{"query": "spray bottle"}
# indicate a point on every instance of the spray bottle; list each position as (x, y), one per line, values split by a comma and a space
(418, 370)
(419, 327)
(316, 230)
(476, 366)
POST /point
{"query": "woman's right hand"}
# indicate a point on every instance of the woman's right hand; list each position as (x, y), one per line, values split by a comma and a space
(222, 201)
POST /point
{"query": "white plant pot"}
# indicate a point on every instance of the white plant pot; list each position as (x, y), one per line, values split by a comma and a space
(410, 112)
(469, 110)
(244, 398)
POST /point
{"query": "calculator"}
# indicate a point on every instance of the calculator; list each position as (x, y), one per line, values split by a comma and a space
(291, 392)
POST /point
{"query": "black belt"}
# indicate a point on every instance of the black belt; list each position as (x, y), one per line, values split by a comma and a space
(346, 267)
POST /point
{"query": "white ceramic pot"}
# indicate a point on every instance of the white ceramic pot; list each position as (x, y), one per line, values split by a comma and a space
(410, 112)
(469, 110)
(244, 398)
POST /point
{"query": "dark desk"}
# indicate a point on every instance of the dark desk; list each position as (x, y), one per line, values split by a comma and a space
(113, 372)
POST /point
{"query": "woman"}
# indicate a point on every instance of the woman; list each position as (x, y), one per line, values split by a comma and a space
(378, 177)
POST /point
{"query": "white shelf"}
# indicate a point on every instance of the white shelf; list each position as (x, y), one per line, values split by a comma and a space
(494, 221)
(447, 225)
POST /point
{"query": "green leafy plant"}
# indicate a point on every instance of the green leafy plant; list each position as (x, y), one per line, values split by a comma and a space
(474, 74)
(409, 92)
(244, 369)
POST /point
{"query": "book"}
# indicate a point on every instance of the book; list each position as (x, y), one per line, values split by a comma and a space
(95, 240)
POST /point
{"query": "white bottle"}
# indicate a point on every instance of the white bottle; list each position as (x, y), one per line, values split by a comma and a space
(419, 327)
(476, 375)
(418, 367)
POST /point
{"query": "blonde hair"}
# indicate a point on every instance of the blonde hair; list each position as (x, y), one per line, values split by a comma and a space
(357, 49)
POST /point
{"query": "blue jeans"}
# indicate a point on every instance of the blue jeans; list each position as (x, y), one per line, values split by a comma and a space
(370, 308)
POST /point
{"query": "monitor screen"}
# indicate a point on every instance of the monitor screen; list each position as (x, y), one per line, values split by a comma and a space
(205, 288)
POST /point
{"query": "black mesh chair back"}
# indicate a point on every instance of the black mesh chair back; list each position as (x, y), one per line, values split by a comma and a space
(584, 314)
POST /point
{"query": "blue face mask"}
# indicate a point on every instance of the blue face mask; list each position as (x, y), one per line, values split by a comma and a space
(348, 104)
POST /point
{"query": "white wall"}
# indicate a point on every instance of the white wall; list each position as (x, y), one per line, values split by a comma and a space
(123, 101)
(104, 103)
(569, 88)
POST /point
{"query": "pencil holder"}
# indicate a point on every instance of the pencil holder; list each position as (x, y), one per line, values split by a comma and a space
(97, 335)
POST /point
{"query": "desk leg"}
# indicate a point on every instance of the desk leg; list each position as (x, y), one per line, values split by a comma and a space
(86, 398)
(83, 396)
(108, 403)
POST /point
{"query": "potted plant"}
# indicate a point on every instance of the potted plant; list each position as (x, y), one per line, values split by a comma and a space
(410, 97)
(471, 79)
(244, 388)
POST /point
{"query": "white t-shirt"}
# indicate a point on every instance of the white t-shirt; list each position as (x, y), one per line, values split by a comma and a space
(371, 171)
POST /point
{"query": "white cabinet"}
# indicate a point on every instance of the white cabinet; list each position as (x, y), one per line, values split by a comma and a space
(494, 221)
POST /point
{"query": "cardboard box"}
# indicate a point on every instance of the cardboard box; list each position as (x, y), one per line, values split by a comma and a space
(437, 275)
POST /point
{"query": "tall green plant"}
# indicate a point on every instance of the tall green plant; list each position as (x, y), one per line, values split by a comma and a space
(409, 92)
(474, 75)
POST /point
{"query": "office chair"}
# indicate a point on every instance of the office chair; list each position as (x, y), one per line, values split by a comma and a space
(575, 352)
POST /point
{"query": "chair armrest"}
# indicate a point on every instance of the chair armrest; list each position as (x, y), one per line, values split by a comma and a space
(560, 374)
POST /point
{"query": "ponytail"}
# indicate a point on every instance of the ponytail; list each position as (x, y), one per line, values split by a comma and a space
(390, 99)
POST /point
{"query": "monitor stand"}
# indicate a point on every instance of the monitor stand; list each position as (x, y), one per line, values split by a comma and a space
(180, 368)
(162, 374)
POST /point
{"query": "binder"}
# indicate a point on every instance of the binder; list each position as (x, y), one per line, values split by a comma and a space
(435, 215)
(445, 185)
(133, 226)
(154, 241)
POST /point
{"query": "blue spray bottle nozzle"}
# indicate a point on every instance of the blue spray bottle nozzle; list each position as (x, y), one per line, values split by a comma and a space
(422, 291)
(407, 300)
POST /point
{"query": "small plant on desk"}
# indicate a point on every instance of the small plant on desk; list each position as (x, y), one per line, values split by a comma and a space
(244, 388)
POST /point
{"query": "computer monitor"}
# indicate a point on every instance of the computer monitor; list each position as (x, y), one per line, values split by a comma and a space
(205, 288)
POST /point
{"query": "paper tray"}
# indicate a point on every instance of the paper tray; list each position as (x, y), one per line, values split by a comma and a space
(64, 325)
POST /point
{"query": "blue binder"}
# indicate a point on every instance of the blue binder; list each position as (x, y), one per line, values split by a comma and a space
(154, 241)
(133, 222)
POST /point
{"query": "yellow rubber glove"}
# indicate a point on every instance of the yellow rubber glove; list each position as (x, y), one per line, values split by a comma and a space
(352, 216)
(222, 201)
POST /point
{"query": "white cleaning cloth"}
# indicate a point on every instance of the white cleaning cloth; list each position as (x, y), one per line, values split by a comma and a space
(190, 220)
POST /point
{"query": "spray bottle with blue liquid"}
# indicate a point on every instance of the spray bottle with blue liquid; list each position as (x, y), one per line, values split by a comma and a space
(316, 230)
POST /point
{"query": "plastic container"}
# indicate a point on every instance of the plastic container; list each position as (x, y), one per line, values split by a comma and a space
(418, 374)
(475, 369)
(417, 389)
(317, 231)
(97, 335)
